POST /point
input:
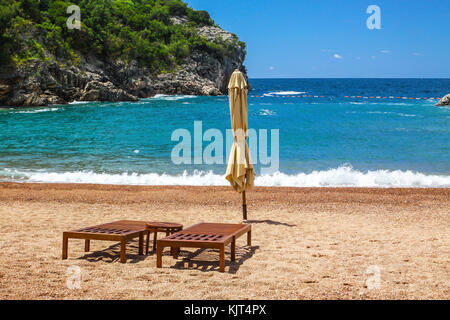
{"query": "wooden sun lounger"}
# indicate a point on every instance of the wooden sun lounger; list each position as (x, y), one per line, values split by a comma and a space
(122, 231)
(205, 235)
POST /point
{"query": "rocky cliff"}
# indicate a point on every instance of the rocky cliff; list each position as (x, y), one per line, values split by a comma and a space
(40, 82)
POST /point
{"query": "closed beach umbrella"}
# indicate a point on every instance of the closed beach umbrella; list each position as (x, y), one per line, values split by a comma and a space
(240, 171)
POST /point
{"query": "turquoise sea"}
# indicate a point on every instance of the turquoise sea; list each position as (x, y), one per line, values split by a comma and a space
(332, 132)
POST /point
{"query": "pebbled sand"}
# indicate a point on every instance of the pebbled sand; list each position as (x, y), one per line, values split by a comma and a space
(308, 243)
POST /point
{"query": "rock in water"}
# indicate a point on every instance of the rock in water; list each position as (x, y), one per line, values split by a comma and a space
(445, 101)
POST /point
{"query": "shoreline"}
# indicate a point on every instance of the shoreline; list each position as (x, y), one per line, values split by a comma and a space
(347, 177)
(8, 184)
(294, 197)
(6, 189)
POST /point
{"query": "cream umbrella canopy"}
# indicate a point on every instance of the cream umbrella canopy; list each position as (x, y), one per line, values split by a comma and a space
(240, 172)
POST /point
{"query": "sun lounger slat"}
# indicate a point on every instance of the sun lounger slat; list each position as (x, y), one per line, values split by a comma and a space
(121, 231)
(205, 235)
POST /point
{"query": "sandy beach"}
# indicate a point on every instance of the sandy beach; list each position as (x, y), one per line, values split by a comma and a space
(308, 243)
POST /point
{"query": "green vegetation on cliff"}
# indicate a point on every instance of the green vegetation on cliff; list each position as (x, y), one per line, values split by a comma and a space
(140, 30)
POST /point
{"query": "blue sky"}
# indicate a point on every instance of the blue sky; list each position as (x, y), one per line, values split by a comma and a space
(329, 38)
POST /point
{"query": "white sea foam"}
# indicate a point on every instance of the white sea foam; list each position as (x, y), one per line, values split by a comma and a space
(378, 103)
(172, 98)
(382, 112)
(389, 112)
(80, 102)
(266, 112)
(198, 178)
(37, 110)
(283, 93)
(379, 112)
(348, 177)
(344, 176)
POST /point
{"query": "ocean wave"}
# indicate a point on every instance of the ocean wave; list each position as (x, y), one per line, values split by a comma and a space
(37, 110)
(382, 112)
(344, 176)
(383, 103)
(80, 102)
(379, 112)
(266, 112)
(172, 97)
(283, 93)
(389, 112)
(197, 178)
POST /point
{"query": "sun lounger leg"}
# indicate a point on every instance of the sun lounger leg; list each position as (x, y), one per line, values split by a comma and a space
(249, 238)
(147, 242)
(222, 259)
(159, 250)
(141, 243)
(123, 250)
(155, 235)
(65, 247)
(87, 245)
(174, 252)
(233, 249)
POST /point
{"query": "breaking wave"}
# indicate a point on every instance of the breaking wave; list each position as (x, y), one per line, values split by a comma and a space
(80, 102)
(172, 98)
(344, 176)
(284, 93)
(37, 110)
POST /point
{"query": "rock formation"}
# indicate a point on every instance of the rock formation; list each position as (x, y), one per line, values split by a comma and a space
(445, 101)
(40, 83)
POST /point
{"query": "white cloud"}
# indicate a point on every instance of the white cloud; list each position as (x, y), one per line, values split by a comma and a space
(385, 51)
(337, 56)
(271, 68)
(417, 54)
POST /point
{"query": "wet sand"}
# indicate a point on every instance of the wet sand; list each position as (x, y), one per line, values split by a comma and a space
(308, 243)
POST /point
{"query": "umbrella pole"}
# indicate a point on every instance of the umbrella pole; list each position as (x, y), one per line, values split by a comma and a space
(244, 206)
